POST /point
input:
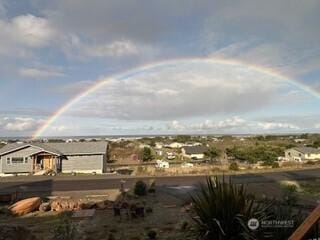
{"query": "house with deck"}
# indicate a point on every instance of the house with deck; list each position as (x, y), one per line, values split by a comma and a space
(82, 157)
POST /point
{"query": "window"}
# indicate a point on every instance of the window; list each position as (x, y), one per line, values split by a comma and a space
(8, 160)
(26, 160)
(17, 160)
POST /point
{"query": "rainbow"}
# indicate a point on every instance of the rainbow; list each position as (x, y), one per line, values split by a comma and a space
(100, 83)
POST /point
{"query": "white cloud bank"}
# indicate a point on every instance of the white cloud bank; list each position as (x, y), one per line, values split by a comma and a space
(235, 125)
(182, 89)
(19, 124)
(23, 33)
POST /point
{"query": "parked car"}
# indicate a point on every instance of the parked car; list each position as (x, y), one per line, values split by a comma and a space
(162, 164)
(170, 156)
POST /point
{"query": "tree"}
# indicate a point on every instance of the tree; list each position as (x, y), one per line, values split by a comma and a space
(146, 154)
(212, 153)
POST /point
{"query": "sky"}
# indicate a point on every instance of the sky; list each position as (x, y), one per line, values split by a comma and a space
(121, 67)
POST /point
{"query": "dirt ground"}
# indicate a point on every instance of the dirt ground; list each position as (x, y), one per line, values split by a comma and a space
(168, 217)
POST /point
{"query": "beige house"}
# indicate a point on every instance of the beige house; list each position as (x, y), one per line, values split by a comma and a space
(300, 154)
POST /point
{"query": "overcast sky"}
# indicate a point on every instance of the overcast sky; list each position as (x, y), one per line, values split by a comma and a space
(169, 66)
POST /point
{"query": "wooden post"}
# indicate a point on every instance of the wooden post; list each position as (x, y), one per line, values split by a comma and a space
(311, 221)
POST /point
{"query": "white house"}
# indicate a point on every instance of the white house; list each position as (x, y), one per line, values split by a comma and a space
(302, 154)
(158, 145)
(191, 144)
(175, 145)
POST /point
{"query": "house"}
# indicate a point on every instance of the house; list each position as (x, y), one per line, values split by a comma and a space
(175, 145)
(194, 152)
(85, 157)
(302, 154)
(190, 144)
(158, 145)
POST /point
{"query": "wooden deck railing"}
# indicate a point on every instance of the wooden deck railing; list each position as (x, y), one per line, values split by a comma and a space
(310, 228)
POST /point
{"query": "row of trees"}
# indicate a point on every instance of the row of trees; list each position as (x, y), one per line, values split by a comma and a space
(264, 153)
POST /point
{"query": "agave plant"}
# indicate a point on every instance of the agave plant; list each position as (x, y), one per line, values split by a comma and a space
(222, 210)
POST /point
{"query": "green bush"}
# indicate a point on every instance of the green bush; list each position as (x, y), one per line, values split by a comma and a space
(152, 235)
(140, 188)
(146, 154)
(264, 153)
(234, 166)
(152, 186)
(65, 229)
(222, 209)
(275, 165)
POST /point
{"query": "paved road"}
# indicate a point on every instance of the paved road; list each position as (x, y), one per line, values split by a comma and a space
(46, 185)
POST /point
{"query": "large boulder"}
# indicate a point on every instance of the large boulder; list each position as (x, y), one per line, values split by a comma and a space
(25, 206)
(15, 232)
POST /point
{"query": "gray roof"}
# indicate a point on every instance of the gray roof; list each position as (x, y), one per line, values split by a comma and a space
(307, 150)
(17, 146)
(80, 147)
(60, 148)
(195, 149)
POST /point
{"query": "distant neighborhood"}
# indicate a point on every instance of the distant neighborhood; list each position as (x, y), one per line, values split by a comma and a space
(127, 155)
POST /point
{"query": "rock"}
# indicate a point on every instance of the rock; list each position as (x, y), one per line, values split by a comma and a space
(90, 205)
(44, 207)
(25, 206)
(59, 205)
(101, 205)
(15, 232)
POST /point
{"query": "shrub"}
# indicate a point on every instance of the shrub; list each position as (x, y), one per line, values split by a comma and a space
(290, 196)
(275, 165)
(234, 166)
(152, 186)
(140, 188)
(147, 154)
(65, 229)
(152, 235)
(309, 162)
(222, 210)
